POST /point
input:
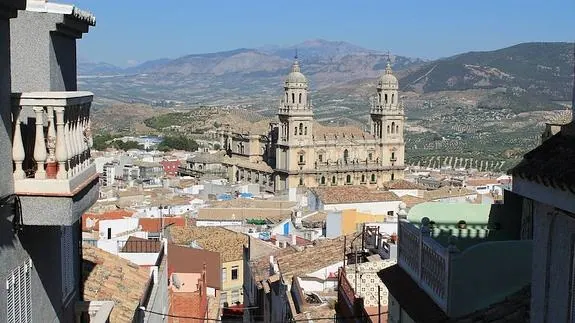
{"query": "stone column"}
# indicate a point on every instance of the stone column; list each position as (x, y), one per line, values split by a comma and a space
(61, 147)
(18, 152)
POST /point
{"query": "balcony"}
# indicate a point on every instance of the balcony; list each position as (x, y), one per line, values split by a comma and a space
(462, 281)
(51, 155)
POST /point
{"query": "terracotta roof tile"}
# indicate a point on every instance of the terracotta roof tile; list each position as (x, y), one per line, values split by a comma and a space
(411, 201)
(227, 243)
(352, 194)
(155, 224)
(401, 184)
(186, 305)
(90, 221)
(547, 164)
(109, 277)
(446, 192)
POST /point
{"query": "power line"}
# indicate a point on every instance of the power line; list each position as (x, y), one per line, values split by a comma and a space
(303, 320)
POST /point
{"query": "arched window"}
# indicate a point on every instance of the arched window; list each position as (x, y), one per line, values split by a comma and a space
(300, 98)
(373, 178)
(392, 176)
(396, 129)
(322, 180)
(300, 128)
(295, 131)
(348, 179)
(393, 127)
(392, 156)
(363, 178)
(345, 155)
(387, 128)
(293, 98)
(370, 156)
(301, 181)
(392, 98)
(379, 98)
(301, 160)
(386, 98)
(305, 131)
(320, 158)
(333, 180)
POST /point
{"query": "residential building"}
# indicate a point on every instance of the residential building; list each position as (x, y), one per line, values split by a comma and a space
(229, 245)
(402, 187)
(188, 263)
(544, 181)
(48, 178)
(170, 167)
(361, 198)
(297, 151)
(189, 297)
(345, 222)
(441, 274)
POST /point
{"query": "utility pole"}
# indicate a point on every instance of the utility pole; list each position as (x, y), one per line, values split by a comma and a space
(378, 303)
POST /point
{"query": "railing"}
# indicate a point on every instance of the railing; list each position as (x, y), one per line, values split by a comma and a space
(346, 288)
(51, 143)
(354, 165)
(425, 260)
(147, 246)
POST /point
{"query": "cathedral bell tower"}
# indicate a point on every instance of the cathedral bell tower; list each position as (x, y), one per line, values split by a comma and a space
(388, 119)
(295, 133)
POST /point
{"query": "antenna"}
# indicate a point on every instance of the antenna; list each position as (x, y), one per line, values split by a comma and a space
(295, 53)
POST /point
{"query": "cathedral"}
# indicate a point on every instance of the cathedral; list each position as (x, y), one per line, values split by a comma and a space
(297, 151)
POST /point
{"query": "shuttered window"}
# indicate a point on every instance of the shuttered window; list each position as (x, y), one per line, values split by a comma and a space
(18, 294)
(67, 257)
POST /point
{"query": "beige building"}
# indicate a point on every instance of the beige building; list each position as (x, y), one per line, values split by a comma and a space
(298, 151)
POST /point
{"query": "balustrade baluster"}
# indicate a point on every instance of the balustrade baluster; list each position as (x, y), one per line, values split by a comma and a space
(51, 140)
(61, 147)
(18, 152)
(40, 153)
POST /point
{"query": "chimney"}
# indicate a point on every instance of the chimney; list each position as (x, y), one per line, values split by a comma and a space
(293, 239)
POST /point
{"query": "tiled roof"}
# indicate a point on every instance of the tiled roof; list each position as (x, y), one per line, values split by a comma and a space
(191, 260)
(352, 194)
(228, 244)
(318, 216)
(109, 277)
(319, 131)
(292, 262)
(207, 158)
(446, 192)
(418, 305)
(411, 201)
(480, 181)
(259, 248)
(230, 214)
(401, 184)
(244, 162)
(140, 245)
(186, 305)
(547, 164)
(249, 203)
(155, 224)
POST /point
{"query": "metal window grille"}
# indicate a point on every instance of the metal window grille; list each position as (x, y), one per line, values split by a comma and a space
(18, 294)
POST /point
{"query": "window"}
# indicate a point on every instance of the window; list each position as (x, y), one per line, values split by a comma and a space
(295, 131)
(67, 261)
(389, 213)
(293, 98)
(320, 158)
(393, 127)
(385, 98)
(322, 180)
(379, 97)
(235, 296)
(345, 155)
(387, 129)
(396, 129)
(224, 274)
(392, 176)
(235, 272)
(300, 98)
(301, 128)
(363, 178)
(348, 179)
(301, 181)
(392, 98)
(223, 298)
(333, 181)
(305, 131)
(393, 156)
(301, 159)
(370, 156)
(373, 178)
(19, 294)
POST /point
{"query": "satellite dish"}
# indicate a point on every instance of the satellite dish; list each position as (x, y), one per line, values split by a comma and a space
(176, 281)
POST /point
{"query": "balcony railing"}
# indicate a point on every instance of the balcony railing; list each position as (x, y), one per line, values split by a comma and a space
(51, 143)
(354, 166)
(425, 260)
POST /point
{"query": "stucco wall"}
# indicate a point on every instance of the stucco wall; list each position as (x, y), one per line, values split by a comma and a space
(378, 208)
(553, 236)
(7, 182)
(230, 285)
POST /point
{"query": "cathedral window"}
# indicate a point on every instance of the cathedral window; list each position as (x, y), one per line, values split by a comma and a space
(379, 97)
(287, 99)
(320, 158)
(305, 131)
(393, 127)
(301, 159)
(300, 98)
(333, 180)
(295, 131)
(293, 98)
(373, 178)
(300, 128)
(322, 181)
(385, 98)
(392, 156)
(345, 155)
(363, 178)
(396, 129)
(388, 129)
(392, 98)
(370, 156)
(348, 179)
(392, 176)
(301, 181)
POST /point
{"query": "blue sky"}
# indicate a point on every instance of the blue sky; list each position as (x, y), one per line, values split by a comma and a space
(130, 31)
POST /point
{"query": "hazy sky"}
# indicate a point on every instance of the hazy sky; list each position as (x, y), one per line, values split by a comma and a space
(130, 31)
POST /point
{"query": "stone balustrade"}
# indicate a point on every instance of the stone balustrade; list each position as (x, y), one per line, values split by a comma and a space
(51, 143)
(425, 260)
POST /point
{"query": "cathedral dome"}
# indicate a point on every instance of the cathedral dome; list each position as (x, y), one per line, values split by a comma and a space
(388, 80)
(296, 76)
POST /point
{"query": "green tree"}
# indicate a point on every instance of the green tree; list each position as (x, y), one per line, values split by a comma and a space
(178, 143)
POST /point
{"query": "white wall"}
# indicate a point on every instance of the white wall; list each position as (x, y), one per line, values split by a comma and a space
(385, 227)
(316, 281)
(406, 192)
(375, 208)
(154, 211)
(118, 226)
(218, 223)
(140, 259)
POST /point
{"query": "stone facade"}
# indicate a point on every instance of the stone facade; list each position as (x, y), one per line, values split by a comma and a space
(297, 151)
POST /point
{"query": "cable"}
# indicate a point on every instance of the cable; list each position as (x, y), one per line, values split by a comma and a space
(303, 320)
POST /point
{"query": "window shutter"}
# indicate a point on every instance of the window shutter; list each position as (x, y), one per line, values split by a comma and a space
(18, 294)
